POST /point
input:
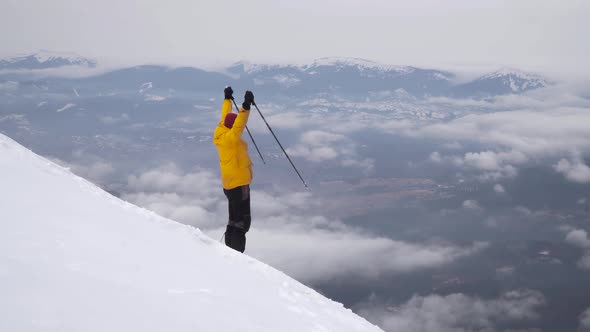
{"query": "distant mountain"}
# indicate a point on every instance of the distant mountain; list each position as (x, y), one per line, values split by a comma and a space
(341, 75)
(130, 82)
(44, 60)
(326, 77)
(500, 82)
(158, 78)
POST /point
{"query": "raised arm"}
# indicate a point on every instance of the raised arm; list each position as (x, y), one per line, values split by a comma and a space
(240, 122)
(243, 115)
(226, 107)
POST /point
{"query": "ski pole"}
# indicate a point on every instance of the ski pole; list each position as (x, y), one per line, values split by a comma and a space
(285, 152)
(252, 138)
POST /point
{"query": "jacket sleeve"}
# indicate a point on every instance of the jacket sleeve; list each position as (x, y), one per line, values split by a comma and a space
(236, 132)
(226, 108)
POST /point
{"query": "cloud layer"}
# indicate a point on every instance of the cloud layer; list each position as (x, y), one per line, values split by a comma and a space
(315, 254)
(517, 136)
(585, 320)
(456, 312)
(575, 171)
(288, 229)
(321, 146)
(579, 238)
(492, 138)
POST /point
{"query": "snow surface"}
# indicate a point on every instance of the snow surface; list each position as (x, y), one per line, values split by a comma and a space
(75, 258)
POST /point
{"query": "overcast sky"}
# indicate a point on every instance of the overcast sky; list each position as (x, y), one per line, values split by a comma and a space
(525, 33)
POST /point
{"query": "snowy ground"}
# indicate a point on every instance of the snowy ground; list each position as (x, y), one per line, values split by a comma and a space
(74, 258)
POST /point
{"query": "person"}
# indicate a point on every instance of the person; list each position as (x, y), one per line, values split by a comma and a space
(236, 168)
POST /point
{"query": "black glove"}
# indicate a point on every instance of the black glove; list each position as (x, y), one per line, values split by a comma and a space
(248, 100)
(229, 93)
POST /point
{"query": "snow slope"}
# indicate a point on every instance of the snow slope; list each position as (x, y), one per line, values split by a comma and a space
(74, 258)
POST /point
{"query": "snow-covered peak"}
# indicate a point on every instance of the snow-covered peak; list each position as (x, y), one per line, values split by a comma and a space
(310, 67)
(45, 59)
(360, 63)
(508, 71)
(517, 80)
(252, 68)
(75, 258)
(44, 56)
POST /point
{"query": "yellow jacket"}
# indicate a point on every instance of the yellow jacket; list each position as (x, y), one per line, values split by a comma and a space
(236, 167)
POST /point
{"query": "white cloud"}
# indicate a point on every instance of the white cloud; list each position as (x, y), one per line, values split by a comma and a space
(367, 165)
(492, 166)
(169, 178)
(193, 198)
(456, 312)
(584, 262)
(292, 120)
(435, 157)
(523, 210)
(320, 146)
(494, 161)
(320, 137)
(185, 208)
(514, 138)
(317, 146)
(314, 153)
(315, 254)
(523, 134)
(288, 228)
(575, 171)
(565, 228)
(585, 319)
(505, 271)
(94, 170)
(287, 233)
(471, 205)
(578, 238)
(548, 125)
(499, 189)
(453, 146)
(312, 115)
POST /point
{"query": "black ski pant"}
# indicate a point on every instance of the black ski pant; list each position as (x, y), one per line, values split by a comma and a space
(239, 217)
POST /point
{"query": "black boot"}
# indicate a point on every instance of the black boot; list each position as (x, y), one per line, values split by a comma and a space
(235, 238)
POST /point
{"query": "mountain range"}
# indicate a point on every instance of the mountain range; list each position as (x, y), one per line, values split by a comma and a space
(44, 60)
(338, 76)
